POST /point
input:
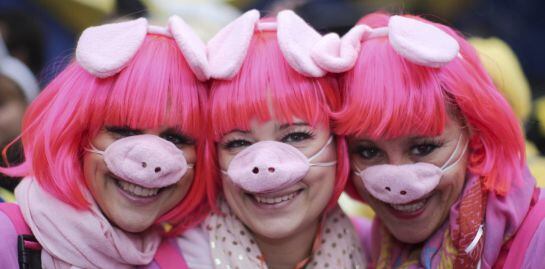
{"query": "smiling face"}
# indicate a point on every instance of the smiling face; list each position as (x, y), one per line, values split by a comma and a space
(415, 221)
(294, 208)
(131, 207)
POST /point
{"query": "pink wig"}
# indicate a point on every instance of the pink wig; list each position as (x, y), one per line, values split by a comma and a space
(386, 96)
(266, 74)
(156, 88)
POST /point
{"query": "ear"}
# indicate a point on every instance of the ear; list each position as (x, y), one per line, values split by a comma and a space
(421, 43)
(192, 47)
(227, 49)
(336, 54)
(296, 40)
(105, 50)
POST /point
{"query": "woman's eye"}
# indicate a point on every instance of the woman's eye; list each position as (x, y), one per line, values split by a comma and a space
(178, 139)
(123, 131)
(238, 143)
(368, 153)
(423, 149)
(296, 137)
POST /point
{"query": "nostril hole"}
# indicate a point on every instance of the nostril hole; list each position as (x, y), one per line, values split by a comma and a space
(144, 164)
(403, 192)
(388, 189)
(255, 170)
(271, 169)
(157, 169)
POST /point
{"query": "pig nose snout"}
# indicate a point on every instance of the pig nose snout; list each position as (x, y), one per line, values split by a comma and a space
(256, 170)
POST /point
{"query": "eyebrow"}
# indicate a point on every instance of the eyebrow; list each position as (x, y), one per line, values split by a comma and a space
(286, 125)
(174, 130)
(239, 131)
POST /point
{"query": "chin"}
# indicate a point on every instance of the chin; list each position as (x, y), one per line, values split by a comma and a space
(134, 227)
(274, 229)
(134, 224)
(410, 237)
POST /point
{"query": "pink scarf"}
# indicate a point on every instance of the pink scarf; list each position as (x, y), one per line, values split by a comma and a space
(502, 217)
(80, 238)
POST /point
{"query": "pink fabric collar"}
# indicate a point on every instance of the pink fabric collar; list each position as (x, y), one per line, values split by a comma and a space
(80, 239)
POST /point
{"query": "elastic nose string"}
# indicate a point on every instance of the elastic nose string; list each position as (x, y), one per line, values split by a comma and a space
(93, 149)
(329, 141)
(446, 166)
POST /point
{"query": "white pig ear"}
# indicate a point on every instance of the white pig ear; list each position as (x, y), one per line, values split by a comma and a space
(297, 39)
(421, 43)
(336, 54)
(105, 50)
(227, 49)
(191, 46)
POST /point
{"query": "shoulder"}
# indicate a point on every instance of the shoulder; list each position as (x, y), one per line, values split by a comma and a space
(533, 256)
(195, 247)
(8, 247)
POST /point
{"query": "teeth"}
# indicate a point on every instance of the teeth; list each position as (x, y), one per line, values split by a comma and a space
(274, 200)
(136, 190)
(409, 208)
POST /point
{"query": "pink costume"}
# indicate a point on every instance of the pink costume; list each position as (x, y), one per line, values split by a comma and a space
(485, 224)
(75, 233)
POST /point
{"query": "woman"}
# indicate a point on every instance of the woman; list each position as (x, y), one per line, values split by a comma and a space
(436, 151)
(282, 169)
(114, 154)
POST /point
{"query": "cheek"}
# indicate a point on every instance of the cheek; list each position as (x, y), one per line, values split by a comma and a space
(451, 186)
(224, 159)
(321, 182)
(358, 185)
(91, 165)
(230, 191)
(190, 154)
(180, 191)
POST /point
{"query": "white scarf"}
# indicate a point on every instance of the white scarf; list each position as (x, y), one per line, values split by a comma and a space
(233, 246)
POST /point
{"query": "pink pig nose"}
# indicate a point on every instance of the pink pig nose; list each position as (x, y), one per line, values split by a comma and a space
(267, 166)
(400, 184)
(146, 160)
(256, 170)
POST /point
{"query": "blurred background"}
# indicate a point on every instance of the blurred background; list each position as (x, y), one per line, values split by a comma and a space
(37, 39)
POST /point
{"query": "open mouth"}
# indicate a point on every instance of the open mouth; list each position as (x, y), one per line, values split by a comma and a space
(136, 190)
(409, 210)
(410, 207)
(274, 199)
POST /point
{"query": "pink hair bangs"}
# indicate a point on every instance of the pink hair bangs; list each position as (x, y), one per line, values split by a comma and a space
(157, 88)
(266, 81)
(386, 96)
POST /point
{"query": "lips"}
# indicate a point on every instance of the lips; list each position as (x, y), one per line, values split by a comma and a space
(409, 210)
(271, 200)
(136, 190)
(275, 199)
(410, 207)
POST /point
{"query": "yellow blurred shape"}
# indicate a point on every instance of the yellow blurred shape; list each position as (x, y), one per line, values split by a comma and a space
(502, 65)
(355, 208)
(79, 14)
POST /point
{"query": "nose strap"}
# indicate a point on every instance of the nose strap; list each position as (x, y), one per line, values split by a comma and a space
(324, 164)
(93, 149)
(447, 165)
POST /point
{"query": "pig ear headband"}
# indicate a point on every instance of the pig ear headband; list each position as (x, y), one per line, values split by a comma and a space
(420, 43)
(297, 41)
(105, 50)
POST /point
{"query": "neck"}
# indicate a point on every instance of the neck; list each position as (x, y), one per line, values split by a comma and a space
(286, 253)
